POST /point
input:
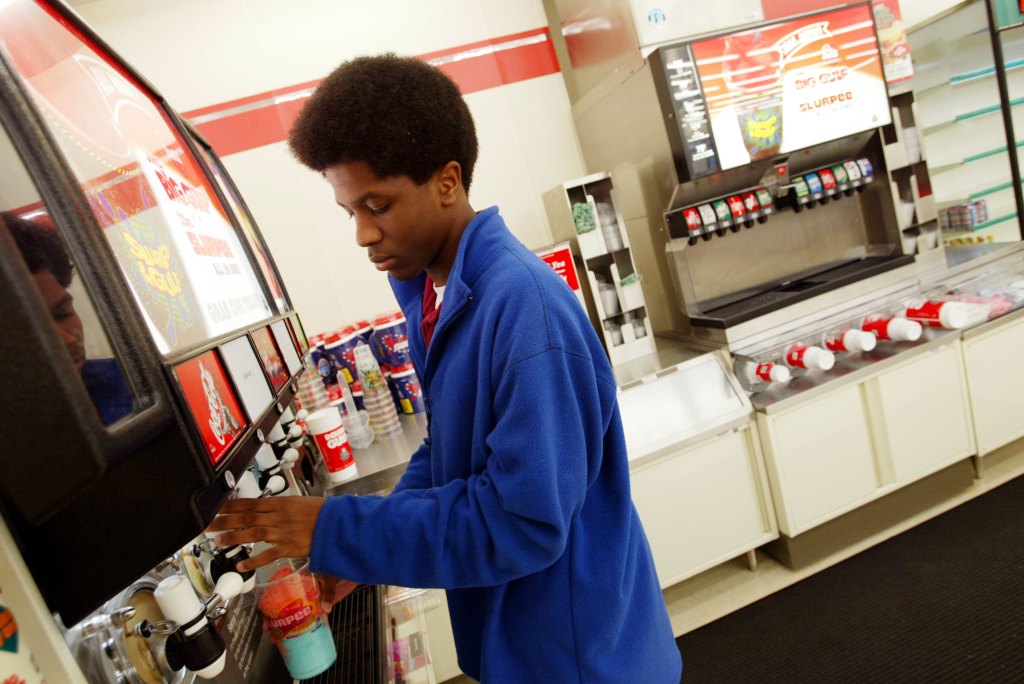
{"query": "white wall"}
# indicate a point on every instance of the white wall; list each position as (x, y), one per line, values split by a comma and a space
(916, 11)
(199, 53)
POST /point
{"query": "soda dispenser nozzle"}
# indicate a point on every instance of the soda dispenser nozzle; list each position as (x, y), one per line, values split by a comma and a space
(100, 623)
(194, 643)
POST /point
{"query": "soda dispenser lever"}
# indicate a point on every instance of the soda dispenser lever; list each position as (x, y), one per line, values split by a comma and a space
(228, 587)
(275, 485)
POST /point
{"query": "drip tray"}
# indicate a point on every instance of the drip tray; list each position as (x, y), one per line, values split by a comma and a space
(358, 625)
(766, 302)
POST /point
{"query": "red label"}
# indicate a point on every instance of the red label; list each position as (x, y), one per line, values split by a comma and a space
(336, 450)
(877, 325)
(750, 202)
(270, 358)
(736, 206)
(561, 261)
(764, 371)
(795, 355)
(827, 179)
(693, 221)
(834, 342)
(926, 314)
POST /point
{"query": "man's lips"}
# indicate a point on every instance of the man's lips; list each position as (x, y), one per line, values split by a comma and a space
(383, 263)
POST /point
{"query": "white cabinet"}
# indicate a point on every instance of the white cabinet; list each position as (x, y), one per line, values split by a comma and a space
(704, 504)
(995, 374)
(820, 459)
(836, 451)
(923, 413)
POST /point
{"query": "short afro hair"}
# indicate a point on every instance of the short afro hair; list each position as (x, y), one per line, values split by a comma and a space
(40, 247)
(399, 115)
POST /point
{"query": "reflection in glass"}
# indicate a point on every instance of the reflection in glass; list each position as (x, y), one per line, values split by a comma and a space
(87, 345)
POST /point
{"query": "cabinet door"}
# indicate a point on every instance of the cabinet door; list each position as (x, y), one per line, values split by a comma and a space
(703, 506)
(923, 407)
(995, 374)
(820, 459)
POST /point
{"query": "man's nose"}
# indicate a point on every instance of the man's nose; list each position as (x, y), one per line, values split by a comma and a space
(366, 232)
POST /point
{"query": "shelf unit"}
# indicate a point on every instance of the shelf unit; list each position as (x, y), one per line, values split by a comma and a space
(959, 109)
(616, 301)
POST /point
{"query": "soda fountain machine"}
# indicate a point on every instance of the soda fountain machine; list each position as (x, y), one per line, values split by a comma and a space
(751, 170)
(150, 361)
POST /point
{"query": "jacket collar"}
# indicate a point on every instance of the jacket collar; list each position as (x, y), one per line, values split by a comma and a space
(480, 231)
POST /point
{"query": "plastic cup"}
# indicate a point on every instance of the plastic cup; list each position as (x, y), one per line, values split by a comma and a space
(328, 432)
(289, 601)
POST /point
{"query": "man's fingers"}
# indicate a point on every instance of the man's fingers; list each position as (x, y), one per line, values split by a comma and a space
(268, 556)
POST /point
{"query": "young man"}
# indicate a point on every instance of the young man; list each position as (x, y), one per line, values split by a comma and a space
(518, 501)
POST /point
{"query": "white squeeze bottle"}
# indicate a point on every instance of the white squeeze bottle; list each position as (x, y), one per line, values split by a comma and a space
(888, 328)
(952, 315)
(757, 375)
(800, 355)
(848, 340)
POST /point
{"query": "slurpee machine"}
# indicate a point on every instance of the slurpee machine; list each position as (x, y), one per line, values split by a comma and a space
(150, 355)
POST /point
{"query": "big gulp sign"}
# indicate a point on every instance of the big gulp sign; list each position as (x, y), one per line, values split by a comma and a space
(334, 447)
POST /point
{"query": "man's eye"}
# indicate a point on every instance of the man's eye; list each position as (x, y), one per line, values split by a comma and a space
(377, 211)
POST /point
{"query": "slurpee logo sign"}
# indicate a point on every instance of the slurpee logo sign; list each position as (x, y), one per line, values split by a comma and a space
(296, 617)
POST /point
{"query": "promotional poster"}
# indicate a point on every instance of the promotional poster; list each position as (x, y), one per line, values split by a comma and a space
(212, 403)
(786, 86)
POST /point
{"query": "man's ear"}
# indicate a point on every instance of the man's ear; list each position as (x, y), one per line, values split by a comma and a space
(449, 183)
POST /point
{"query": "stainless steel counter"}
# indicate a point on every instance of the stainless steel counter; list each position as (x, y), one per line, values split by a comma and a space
(382, 463)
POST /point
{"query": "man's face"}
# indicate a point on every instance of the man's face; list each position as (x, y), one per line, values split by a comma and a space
(61, 306)
(400, 223)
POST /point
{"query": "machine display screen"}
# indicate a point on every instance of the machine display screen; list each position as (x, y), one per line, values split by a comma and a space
(770, 90)
(212, 403)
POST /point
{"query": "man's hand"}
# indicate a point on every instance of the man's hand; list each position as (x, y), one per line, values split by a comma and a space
(332, 590)
(285, 522)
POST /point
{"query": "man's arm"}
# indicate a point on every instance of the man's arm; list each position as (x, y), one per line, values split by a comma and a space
(511, 519)
(417, 473)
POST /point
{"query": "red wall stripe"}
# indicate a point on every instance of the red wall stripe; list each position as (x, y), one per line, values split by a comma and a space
(268, 124)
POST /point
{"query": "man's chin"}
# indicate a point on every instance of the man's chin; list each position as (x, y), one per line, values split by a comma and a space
(404, 275)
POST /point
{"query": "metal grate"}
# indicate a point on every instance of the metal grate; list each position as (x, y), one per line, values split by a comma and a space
(358, 624)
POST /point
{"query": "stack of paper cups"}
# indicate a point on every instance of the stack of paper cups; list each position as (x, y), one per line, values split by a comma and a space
(328, 431)
(377, 398)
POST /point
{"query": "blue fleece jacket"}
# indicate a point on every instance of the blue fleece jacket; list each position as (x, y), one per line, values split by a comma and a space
(518, 501)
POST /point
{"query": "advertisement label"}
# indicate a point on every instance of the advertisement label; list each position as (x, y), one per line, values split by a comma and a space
(792, 85)
(212, 403)
(892, 37)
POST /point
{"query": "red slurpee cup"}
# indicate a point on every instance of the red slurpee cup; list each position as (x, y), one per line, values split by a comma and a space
(289, 600)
